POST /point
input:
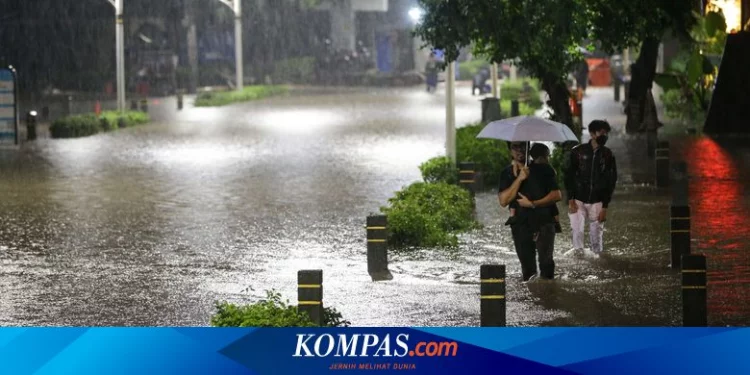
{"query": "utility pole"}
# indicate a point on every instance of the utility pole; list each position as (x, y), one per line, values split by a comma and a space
(120, 47)
(450, 112)
(236, 6)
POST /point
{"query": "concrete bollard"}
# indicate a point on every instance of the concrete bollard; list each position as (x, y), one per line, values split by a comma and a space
(662, 164)
(514, 108)
(679, 228)
(31, 126)
(310, 294)
(491, 110)
(144, 105)
(377, 248)
(492, 295)
(179, 100)
(694, 301)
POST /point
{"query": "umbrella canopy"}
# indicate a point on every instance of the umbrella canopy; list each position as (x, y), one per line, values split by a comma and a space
(528, 129)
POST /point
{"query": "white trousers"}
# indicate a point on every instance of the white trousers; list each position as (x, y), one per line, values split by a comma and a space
(596, 229)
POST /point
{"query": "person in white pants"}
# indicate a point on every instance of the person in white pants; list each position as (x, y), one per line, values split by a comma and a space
(590, 179)
(578, 217)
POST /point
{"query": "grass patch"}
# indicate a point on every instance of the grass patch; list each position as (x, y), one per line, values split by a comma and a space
(89, 124)
(220, 98)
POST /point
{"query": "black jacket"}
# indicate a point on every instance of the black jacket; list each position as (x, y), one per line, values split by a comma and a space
(590, 176)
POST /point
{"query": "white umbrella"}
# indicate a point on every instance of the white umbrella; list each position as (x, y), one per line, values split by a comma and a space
(527, 129)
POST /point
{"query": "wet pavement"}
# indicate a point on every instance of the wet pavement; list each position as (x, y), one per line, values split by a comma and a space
(151, 225)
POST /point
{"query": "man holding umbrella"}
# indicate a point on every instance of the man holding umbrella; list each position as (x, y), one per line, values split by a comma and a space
(532, 191)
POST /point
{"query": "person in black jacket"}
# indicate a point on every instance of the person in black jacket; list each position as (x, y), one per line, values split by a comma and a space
(590, 179)
(531, 191)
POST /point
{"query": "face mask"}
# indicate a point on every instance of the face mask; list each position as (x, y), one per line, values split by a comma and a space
(601, 140)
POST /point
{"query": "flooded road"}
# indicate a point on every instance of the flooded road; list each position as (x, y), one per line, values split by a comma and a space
(151, 225)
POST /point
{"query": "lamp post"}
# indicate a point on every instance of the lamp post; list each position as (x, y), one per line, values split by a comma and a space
(236, 6)
(120, 47)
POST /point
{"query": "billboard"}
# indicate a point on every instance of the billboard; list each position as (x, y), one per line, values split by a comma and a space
(8, 108)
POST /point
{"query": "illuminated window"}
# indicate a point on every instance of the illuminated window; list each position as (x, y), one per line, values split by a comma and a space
(732, 10)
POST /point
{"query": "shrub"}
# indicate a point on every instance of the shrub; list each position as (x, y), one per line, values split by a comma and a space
(220, 98)
(271, 312)
(75, 126)
(524, 109)
(439, 169)
(425, 214)
(88, 124)
(523, 90)
(467, 69)
(294, 70)
(557, 161)
(489, 156)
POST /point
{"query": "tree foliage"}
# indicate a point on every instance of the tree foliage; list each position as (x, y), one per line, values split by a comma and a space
(545, 37)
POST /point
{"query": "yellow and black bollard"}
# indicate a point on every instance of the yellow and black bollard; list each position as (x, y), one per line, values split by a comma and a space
(492, 295)
(694, 303)
(310, 294)
(377, 248)
(679, 228)
(467, 180)
(662, 164)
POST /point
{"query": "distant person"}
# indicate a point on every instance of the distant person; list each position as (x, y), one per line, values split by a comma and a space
(530, 192)
(590, 179)
(431, 73)
(479, 82)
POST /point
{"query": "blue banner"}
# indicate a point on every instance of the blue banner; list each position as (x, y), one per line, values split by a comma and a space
(404, 350)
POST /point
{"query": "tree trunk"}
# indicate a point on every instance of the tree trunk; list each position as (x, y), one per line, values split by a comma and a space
(642, 79)
(559, 97)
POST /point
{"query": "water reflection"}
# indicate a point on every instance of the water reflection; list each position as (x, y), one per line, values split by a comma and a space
(719, 203)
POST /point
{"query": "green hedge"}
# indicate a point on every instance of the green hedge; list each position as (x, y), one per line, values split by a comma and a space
(89, 124)
(490, 156)
(220, 98)
(439, 169)
(271, 312)
(467, 69)
(514, 90)
(429, 214)
(524, 109)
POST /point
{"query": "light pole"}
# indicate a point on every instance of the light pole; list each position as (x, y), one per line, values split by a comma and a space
(120, 46)
(450, 112)
(236, 6)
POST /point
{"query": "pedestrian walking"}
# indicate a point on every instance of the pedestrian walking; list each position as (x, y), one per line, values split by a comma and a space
(590, 179)
(530, 191)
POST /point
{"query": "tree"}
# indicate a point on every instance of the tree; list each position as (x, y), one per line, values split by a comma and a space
(543, 36)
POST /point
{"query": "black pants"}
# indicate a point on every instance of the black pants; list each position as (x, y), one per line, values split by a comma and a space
(527, 249)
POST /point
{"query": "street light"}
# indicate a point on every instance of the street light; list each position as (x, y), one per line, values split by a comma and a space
(236, 7)
(120, 46)
(416, 14)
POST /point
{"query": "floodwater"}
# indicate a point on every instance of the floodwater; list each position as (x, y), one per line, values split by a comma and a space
(152, 225)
